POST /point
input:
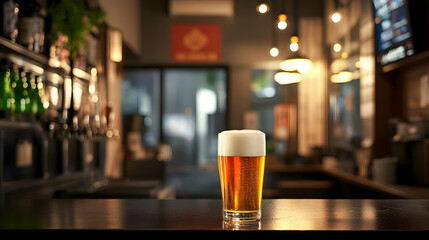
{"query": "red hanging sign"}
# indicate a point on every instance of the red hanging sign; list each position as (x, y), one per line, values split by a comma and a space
(195, 42)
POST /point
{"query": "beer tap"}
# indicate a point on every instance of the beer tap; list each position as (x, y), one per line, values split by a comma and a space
(62, 128)
(103, 128)
(86, 131)
(111, 131)
(74, 130)
(95, 127)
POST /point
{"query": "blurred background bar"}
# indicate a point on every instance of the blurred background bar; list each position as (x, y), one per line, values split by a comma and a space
(101, 99)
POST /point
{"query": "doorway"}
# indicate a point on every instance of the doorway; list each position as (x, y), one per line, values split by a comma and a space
(184, 108)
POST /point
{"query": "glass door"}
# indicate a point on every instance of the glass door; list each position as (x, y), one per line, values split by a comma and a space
(182, 107)
(193, 112)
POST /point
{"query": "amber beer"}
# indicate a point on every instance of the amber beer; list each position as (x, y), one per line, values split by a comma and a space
(241, 158)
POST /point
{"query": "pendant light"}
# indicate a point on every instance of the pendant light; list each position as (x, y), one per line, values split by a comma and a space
(286, 77)
(345, 74)
(282, 17)
(342, 77)
(297, 62)
(336, 15)
(274, 51)
(294, 46)
(262, 7)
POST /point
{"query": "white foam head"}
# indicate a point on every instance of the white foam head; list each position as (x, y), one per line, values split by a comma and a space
(249, 143)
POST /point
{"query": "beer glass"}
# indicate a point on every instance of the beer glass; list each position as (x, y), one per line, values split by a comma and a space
(241, 159)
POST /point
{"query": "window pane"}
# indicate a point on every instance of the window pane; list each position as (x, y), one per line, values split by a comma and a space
(141, 103)
(194, 111)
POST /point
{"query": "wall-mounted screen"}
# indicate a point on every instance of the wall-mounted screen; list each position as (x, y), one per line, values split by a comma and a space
(393, 33)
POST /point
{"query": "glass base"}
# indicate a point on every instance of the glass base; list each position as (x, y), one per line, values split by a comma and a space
(242, 225)
(238, 217)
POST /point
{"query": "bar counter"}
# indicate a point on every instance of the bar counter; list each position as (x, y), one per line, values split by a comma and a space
(279, 216)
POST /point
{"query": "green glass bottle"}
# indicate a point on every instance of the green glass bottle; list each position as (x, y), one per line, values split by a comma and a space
(5, 90)
(25, 91)
(17, 85)
(13, 75)
(32, 94)
(40, 96)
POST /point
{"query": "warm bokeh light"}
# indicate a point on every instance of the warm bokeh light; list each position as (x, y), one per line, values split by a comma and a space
(115, 45)
(336, 17)
(302, 65)
(357, 64)
(274, 52)
(262, 8)
(281, 23)
(337, 47)
(294, 47)
(342, 77)
(93, 71)
(287, 77)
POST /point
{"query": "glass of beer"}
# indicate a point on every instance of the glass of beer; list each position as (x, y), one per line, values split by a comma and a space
(241, 159)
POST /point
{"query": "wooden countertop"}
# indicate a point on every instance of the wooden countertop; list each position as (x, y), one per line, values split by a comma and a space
(290, 215)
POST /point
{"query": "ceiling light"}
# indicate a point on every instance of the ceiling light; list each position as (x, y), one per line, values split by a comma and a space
(281, 23)
(342, 77)
(297, 63)
(337, 47)
(287, 77)
(274, 51)
(262, 8)
(336, 17)
(115, 45)
(294, 46)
